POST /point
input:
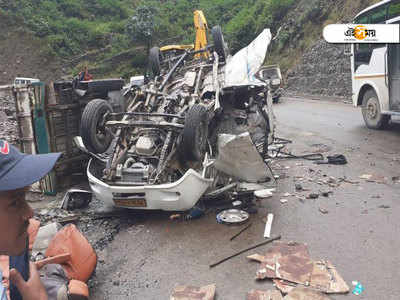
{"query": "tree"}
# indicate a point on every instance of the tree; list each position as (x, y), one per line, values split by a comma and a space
(143, 24)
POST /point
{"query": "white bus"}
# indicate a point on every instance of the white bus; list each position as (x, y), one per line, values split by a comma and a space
(375, 68)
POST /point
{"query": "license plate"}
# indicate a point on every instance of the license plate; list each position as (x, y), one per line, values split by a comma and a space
(130, 202)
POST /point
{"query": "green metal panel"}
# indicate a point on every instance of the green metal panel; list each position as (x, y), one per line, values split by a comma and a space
(42, 133)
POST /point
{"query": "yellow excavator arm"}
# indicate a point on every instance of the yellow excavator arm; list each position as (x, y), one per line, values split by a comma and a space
(200, 24)
(201, 27)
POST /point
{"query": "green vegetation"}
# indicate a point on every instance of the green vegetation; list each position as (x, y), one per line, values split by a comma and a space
(113, 36)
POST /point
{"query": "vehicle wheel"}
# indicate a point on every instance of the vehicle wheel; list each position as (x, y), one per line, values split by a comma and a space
(219, 42)
(95, 137)
(195, 134)
(154, 61)
(371, 111)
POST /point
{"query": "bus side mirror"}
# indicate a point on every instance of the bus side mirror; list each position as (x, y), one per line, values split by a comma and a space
(347, 50)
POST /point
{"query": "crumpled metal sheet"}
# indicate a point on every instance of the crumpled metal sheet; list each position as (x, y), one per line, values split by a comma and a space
(194, 293)
(302, 293)
(294, 268)
(242, 67)
(278, 250)
(264, 295)
(238, 157)
(290, 264)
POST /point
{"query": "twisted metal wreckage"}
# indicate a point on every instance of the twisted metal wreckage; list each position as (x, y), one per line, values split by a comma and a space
(193, 127)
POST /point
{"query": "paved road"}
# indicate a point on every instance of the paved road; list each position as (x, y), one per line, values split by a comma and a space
(148, 258)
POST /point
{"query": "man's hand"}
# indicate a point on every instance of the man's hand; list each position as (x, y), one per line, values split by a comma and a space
(32, 289)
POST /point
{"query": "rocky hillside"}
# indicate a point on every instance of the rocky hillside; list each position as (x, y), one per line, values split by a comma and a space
(310, 65)
(323, 70)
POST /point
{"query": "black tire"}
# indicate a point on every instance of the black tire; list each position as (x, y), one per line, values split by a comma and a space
(154, 61)
(195, 134)
(371, 111)
(219, 42)
(275, 100)
(94, 135)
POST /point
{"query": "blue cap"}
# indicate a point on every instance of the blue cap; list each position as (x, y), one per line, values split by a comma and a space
(18, 170)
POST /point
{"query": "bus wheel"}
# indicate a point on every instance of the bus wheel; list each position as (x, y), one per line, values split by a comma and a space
(371, 111)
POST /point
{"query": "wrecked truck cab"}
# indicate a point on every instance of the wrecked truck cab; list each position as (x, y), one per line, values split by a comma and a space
(162, 152)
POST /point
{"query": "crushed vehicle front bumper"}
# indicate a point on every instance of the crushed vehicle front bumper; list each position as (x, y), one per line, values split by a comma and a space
(177, 196)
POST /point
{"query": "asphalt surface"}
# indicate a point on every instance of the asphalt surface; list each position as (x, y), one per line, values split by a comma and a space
(358, 232)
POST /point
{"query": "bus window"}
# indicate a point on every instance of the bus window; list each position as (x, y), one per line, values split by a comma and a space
(378, 15)
(362, 19)
(394, 10)
(377, 45)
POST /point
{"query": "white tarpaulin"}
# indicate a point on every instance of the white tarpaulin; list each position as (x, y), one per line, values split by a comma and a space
(242, 67)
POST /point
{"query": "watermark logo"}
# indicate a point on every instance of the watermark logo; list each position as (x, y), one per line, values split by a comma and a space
(361, 33)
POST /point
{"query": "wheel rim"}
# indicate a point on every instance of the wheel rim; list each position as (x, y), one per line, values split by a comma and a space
(372, 109)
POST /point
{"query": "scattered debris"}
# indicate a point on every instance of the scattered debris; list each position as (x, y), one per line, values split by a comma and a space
(303, 293)
(358, 288)
(268, 225)
(298, 187)
(337, 159)
(175, 217)
(383, 206)
(194, 213)
(374, 178)
(301, 198)
(232, 216)
(313, 196)
(76, 199)
(194, 293)
(218, 192)
(291, 263)
(283, 201)
(321, 148)
(245, 250)
(344, 179)
(240, 232)
(265, 193)
(264, 295)
(323, 210)
(236, 203)
(326, 193)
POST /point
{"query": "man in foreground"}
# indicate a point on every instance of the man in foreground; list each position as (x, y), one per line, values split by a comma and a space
(17, 172)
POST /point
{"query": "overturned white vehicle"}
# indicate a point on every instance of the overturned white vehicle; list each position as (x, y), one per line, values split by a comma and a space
(175, 139)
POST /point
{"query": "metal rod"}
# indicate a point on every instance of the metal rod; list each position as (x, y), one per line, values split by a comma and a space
(245, 250)
(173, 69)
(237, 234)
(147, 114)
(144, 124)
